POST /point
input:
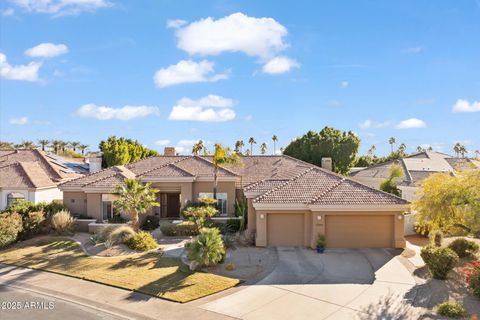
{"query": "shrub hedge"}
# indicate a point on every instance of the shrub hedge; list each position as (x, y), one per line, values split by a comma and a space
(142, 241)
(440, 261)
(10, 227)
(182, 229)
(463, 247)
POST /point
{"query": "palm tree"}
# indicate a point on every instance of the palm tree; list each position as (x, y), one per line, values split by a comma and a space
(43, 143)
(247, 152)
(222, 157)
(56, 145)
(74, 145)
(463, 150)
(392, 141)
(239, 145)
(82, 148)
(274, 139)
(420, 149)
(252, 142)
(135, 198)
(430, 148)
(371, 151)
(263, 148)
(26, 144)
(63, 145)
(197, 147)
(402, 147)
(281, 150)
(6, 145)
(456, 148)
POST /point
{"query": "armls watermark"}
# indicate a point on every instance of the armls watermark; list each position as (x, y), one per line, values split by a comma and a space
(27, 305)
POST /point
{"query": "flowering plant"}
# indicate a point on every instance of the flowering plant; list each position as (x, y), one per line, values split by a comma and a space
(472, 274)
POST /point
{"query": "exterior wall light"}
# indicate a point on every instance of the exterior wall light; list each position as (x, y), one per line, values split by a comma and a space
(319, 217)
(400, 217)
(262, 216)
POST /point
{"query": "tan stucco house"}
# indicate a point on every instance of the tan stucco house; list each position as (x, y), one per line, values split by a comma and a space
(290, 202)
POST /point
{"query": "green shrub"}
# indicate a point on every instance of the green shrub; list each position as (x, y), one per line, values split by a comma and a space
(439, 260)
(451, 309)
(463, 247)
(10, 227)
(199, 215)
(142, 241)
(151, 223)
(62, 222)
(117, 219)
(207, 249)
(53, 207)
(120, 234)
(233, 225)
(33, 223)
(23, 207)
(183, 229)
(421, 229)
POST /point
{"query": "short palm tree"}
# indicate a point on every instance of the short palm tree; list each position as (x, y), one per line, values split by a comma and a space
(27, 144)
(63, 145)
(197, 147)
(274, 139)
(82, 148)
(392, 142)
(463, 150)
(43, 143)
(252, 142)
(222, 157)
(263, 148)
(135, 198)
(74, 145)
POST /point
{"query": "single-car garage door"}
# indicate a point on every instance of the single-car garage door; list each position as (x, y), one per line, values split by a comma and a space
(285, 229)
(359, 231)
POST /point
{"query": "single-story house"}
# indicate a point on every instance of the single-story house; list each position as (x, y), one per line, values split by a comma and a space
(34, 175)
(290, 202)
(416, 168)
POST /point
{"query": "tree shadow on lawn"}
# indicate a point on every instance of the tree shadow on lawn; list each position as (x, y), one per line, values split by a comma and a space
(389, 307)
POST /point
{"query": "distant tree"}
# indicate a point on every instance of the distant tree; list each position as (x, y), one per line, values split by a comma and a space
(197, 147)
(239, 144)
(274, 139)
(56, 146)
(74, 145)
(390, 184)
(420, 149)
(263, 148)
(247, 152)
(392, 142)
(251, 141)
(222, 157)
(371, 151)
(342, 147)
(63, 146)
(26, 144)
(456, 148)
(282, 150)
(82, 148)
(123, 151)
(463, 151)
(43, 143)
(6, 145)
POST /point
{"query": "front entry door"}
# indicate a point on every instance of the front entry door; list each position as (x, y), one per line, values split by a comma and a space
(170, 205)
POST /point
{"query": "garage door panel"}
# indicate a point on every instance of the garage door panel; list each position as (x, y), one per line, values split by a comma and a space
(359, 231)
(285, 229)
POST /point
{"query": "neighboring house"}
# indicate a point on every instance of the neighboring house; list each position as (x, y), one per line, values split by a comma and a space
(34, 175)
(290, 202)
(416, 168)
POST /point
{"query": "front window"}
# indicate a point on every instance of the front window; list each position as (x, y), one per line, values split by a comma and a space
(13, 197)
(221, 201)
(108, 209)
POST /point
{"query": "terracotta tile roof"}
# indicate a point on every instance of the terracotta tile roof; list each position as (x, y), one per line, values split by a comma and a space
(14, 176)
(169, 170)
(141, 166)
(264, 185)
(318, 186)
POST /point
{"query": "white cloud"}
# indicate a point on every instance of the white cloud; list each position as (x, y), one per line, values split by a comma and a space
(411, 123)
(259, 37)
(211, 108)
(47, 50)
(162, 142)
(19, 121)
(187, 143)
(187, 71)
(413, 50)
(107, 113)
(8, 12)
(344, 84)
(374, 124)
(27, 72)
(464, 106)
(279, 65)
(175, 24)
(62, 7)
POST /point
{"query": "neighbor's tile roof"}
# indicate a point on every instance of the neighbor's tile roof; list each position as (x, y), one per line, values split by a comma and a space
(318, 186)
(169, 170)
(263, 186)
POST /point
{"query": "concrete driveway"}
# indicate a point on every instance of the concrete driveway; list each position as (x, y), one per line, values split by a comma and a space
(340, 284)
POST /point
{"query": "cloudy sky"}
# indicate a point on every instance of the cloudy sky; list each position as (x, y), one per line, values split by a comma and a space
(172, 72)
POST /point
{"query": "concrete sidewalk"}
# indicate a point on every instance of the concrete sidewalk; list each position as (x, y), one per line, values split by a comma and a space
(126, 304)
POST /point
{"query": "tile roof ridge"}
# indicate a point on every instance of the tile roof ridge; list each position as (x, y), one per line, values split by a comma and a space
(253, 184)
(103, 178)
(319, 196)
(163, 165)
(211, 162)
(127, 173)
(45, 160)
(20, 164)
(283, 184)
(405, 169)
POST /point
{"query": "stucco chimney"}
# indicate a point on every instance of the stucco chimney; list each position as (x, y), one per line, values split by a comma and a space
(169, 151)
(327, 163)
(94, 163)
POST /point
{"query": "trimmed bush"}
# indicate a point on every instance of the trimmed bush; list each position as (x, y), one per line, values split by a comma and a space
(24, 207)
(151, 223)
(10, 227)
(142, 241)
(207, 249)
(199, 215)
(120, 234)
(451, 309)
(33, 224)
(53, 207)
(183, 229)
(233, 225)
(62, 222)
(463, 247)
(472, 275)
(440, 261)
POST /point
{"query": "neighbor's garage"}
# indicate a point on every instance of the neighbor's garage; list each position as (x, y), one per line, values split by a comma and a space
(359, 231)
(285, 229)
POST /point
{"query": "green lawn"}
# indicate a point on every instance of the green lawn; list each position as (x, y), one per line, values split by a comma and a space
(147, 273)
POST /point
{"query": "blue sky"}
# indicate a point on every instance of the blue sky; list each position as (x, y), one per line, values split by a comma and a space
(170, 72)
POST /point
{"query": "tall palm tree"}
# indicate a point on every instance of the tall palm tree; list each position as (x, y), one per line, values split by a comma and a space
(371, 151)
(420, 149)
(27, 144)
(197, 147)
(74, 145)
(222, 157)
(402, 147)
(274, 139)
(263, 148)
(82, 148)
(43, 143)
(252, 142)
(392, 141)
(135, 198)
(456, 148)
(239, 145)
(63, 145)
(463, 150)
